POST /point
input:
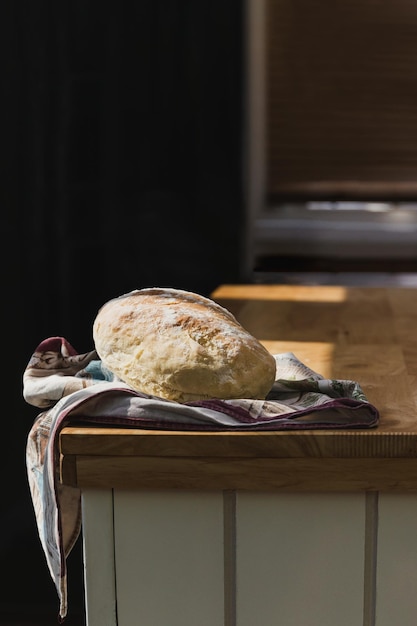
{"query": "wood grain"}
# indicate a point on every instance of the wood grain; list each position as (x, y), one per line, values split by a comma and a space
(362, 334)
(251, 474)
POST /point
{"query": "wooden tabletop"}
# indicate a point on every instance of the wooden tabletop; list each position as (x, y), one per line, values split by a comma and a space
(366, 334)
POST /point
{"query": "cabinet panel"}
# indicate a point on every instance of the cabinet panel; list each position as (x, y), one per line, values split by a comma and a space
(98, 546)
(397, 560)
(169, 558)
(300, 559)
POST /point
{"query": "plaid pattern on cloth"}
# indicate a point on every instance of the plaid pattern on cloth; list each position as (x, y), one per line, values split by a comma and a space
(76, 389)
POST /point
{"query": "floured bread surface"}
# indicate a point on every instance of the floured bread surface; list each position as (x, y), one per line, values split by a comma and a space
(181, 346)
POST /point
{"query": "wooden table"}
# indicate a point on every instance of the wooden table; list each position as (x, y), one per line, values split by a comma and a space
(301, 528)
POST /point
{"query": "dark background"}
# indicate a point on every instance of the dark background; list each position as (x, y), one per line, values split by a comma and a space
(121, 157)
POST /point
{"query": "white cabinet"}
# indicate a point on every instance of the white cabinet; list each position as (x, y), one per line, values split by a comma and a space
(236, 558)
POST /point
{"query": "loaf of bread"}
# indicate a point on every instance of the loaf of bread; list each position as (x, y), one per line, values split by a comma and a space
(181, 346)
